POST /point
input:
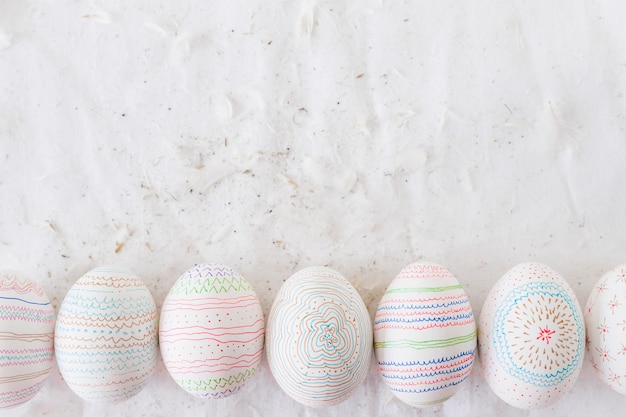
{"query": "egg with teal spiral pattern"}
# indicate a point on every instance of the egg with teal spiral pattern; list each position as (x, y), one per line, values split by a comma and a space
(26, 338)
(424, 335)
(106, 335)
(318, 337)
(531, 337)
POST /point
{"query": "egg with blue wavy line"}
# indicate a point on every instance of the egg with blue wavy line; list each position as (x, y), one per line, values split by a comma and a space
(531, 337)
(26, 338)
(106, 335)
(424, 335)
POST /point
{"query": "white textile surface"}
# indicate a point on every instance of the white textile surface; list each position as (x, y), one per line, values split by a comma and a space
(274, 135)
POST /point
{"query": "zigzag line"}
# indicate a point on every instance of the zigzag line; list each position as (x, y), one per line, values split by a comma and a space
(118, 282)
(32, 350)
(10, 362)
(80, 321)
(215, 285)
(138, 378)
(213, 384)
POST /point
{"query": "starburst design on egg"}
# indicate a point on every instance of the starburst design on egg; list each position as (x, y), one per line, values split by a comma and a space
(540, 338)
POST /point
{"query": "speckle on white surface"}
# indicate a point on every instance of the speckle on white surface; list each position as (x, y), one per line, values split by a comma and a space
(362, 135)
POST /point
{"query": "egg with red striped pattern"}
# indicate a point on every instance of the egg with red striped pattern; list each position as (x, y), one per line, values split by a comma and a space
(424, 335)
(26, 338)
(211, 331)
(319, 337)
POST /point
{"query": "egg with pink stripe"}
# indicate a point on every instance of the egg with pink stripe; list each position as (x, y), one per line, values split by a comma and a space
(424, 335)
(26, 339)
(211, 331)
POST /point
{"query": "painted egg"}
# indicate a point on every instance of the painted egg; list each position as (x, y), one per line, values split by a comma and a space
(531, 337)
(212, 331)
(319, 337)
(106, 335)
(424, 335)
(26, 339)
(605, 320)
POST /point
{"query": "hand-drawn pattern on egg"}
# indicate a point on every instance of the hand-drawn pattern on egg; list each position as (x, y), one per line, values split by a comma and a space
(319, 337)
(531, 337)
(424, 335)
(605, 320)
(212, 331)
(26, 339)
(106, 335)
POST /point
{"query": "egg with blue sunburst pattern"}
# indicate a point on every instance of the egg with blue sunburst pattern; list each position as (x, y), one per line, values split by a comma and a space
(531, 336)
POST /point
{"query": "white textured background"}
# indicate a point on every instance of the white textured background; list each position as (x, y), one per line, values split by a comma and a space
(274, 135)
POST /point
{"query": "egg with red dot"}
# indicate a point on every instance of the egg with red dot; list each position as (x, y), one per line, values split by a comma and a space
(531, 337)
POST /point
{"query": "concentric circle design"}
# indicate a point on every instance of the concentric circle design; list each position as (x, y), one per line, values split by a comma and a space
(319, 337)
(106, 335)
(531, 336)
(26, 339)
(538, 334)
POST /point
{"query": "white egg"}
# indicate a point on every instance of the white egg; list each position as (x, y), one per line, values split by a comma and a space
(531, 337)
(424, 335)
(26, 338)
(605, 320)
(106, 335)
(319, 337)
(211, 331)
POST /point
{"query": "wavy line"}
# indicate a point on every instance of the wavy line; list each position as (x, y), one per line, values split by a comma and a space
(11, 362)
(424, 289)
(415, 312)
(23, 377)
(11, 282)
(455, 296)
(179, 339)
(247, 326)
(426, 344)
(25, 301)
(418, 305)
(395, 319)
(35, 337)
(429, 361)
(430, 389)
(430, 326)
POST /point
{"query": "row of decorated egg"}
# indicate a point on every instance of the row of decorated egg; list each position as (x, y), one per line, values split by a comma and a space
(531, 335)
